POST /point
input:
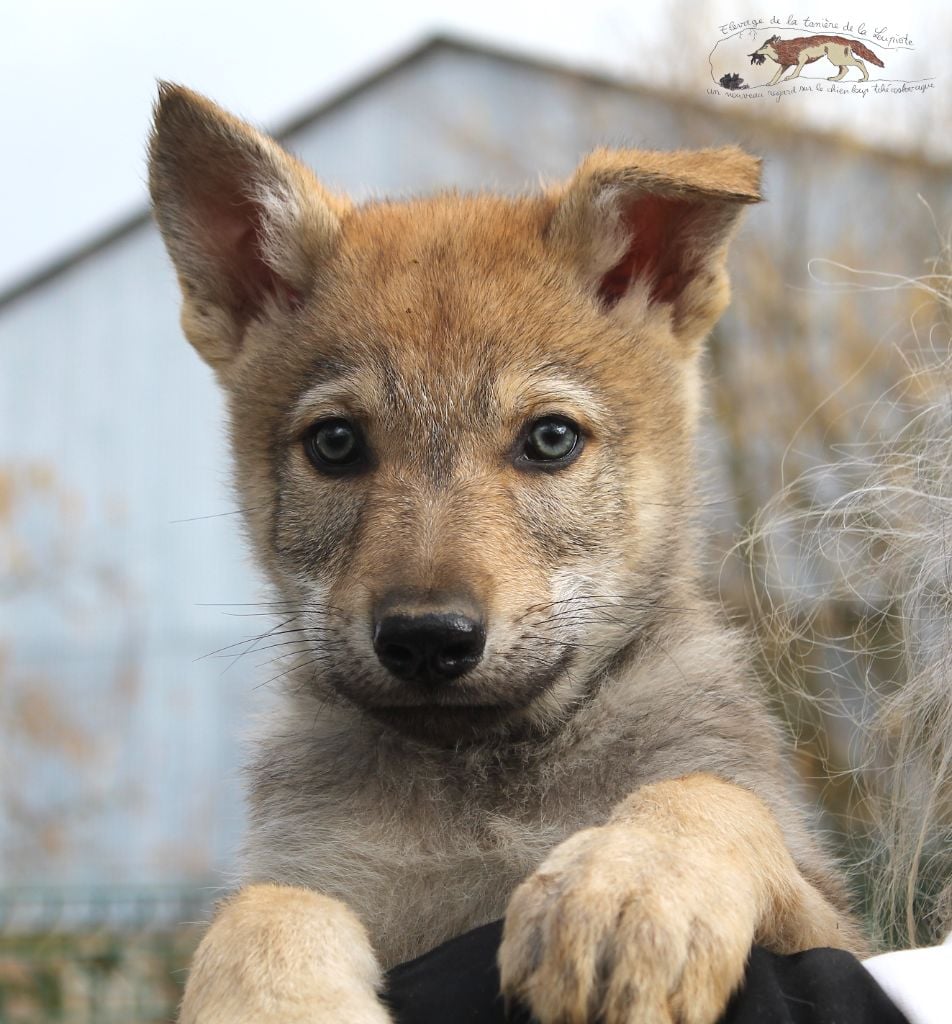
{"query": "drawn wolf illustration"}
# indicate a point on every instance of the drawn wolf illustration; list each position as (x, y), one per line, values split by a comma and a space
(797, 53)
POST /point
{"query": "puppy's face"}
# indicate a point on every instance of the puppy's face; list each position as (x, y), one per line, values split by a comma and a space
(461, 426)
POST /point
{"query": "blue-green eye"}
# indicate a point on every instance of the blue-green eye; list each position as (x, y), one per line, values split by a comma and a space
(551, 439)
(334, 444)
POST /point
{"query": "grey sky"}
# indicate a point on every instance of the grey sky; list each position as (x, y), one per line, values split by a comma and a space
(77, 78)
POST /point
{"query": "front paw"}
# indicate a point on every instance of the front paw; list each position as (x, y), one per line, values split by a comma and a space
(283, 955)
(621, 926)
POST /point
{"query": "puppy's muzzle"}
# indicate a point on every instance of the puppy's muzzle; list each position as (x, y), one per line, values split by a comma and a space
(429, 649)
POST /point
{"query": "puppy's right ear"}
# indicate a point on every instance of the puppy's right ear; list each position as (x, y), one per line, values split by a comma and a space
(246, 224)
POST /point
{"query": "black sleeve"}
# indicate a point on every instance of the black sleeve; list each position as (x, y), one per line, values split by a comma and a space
(458, 983)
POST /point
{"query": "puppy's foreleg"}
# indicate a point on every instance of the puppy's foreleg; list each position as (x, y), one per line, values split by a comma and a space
(281, 955)
(651, 917)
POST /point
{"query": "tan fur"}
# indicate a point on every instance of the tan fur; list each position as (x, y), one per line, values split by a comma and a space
(444, 327)
(661, 902)
(316, 946)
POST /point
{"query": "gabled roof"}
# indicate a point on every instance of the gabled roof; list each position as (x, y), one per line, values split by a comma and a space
(744, 124)
(130, 223)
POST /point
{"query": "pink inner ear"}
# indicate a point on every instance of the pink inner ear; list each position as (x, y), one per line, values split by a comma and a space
(256, 279)
(232, 231)
(659, 228)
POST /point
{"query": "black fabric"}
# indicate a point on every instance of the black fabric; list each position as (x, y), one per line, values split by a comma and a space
(818, 986)
(458, 983)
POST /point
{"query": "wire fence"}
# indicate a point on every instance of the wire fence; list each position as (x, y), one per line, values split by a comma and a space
(97, 955)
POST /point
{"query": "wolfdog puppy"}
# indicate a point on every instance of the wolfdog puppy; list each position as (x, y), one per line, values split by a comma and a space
(463, 431)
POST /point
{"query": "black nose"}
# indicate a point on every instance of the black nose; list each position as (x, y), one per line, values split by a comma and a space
(430, 648)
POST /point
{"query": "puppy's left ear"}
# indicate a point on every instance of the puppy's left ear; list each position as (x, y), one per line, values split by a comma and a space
(647, 231)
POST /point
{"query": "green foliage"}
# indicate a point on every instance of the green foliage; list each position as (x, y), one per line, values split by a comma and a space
(96, 956)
